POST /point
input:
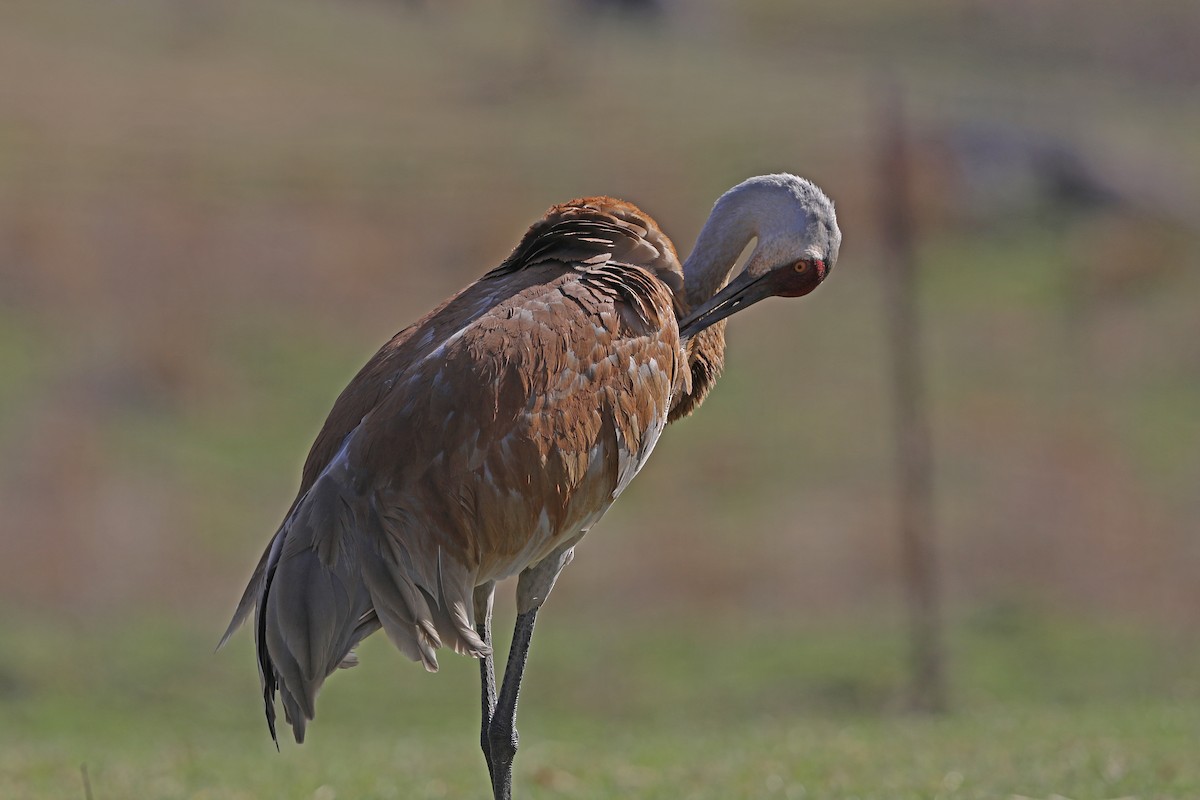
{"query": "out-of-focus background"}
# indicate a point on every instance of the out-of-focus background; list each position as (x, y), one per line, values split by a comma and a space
(212, 212)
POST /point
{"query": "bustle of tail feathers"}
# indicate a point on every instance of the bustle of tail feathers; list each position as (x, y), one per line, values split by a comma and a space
(331, 578)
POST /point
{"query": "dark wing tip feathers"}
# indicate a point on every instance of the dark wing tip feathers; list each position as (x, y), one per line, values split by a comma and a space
(308, 620)
(249, 597)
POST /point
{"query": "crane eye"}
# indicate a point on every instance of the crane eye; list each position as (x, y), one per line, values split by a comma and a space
(800, 266)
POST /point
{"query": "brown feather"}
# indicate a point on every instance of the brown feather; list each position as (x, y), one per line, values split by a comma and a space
(706, 360)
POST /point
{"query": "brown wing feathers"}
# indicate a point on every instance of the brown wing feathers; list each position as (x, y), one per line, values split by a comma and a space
(596, 230)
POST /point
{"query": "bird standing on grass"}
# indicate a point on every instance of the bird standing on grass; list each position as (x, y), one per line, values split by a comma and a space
(486, 439)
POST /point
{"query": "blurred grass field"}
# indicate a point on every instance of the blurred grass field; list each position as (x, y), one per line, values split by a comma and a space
(716, 709)
(212, 212)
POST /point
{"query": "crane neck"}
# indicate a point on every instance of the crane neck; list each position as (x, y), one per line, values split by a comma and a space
(729, 229)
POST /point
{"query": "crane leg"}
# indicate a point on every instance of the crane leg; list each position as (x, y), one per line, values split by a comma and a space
(501, 735)
(487, 680)
(533, 587)
(487, 667)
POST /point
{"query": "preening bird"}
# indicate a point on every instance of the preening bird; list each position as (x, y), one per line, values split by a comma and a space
(486, 439)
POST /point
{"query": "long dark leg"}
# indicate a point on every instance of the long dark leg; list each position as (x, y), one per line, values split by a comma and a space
(502, 732)
(487, 669)
(487, 680)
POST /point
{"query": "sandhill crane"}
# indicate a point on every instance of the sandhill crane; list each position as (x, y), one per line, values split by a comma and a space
(486, 439)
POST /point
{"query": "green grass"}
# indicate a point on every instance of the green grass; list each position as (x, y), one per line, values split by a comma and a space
(1042, 707)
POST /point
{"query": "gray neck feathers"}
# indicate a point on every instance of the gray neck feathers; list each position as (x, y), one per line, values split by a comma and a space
(762, 208)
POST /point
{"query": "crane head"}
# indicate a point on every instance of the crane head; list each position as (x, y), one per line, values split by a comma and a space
(797, 246)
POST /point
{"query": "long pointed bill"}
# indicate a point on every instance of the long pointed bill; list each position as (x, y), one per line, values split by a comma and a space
(742, 292)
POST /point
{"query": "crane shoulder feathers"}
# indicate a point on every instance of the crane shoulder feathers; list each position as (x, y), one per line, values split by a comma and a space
(590, 230)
